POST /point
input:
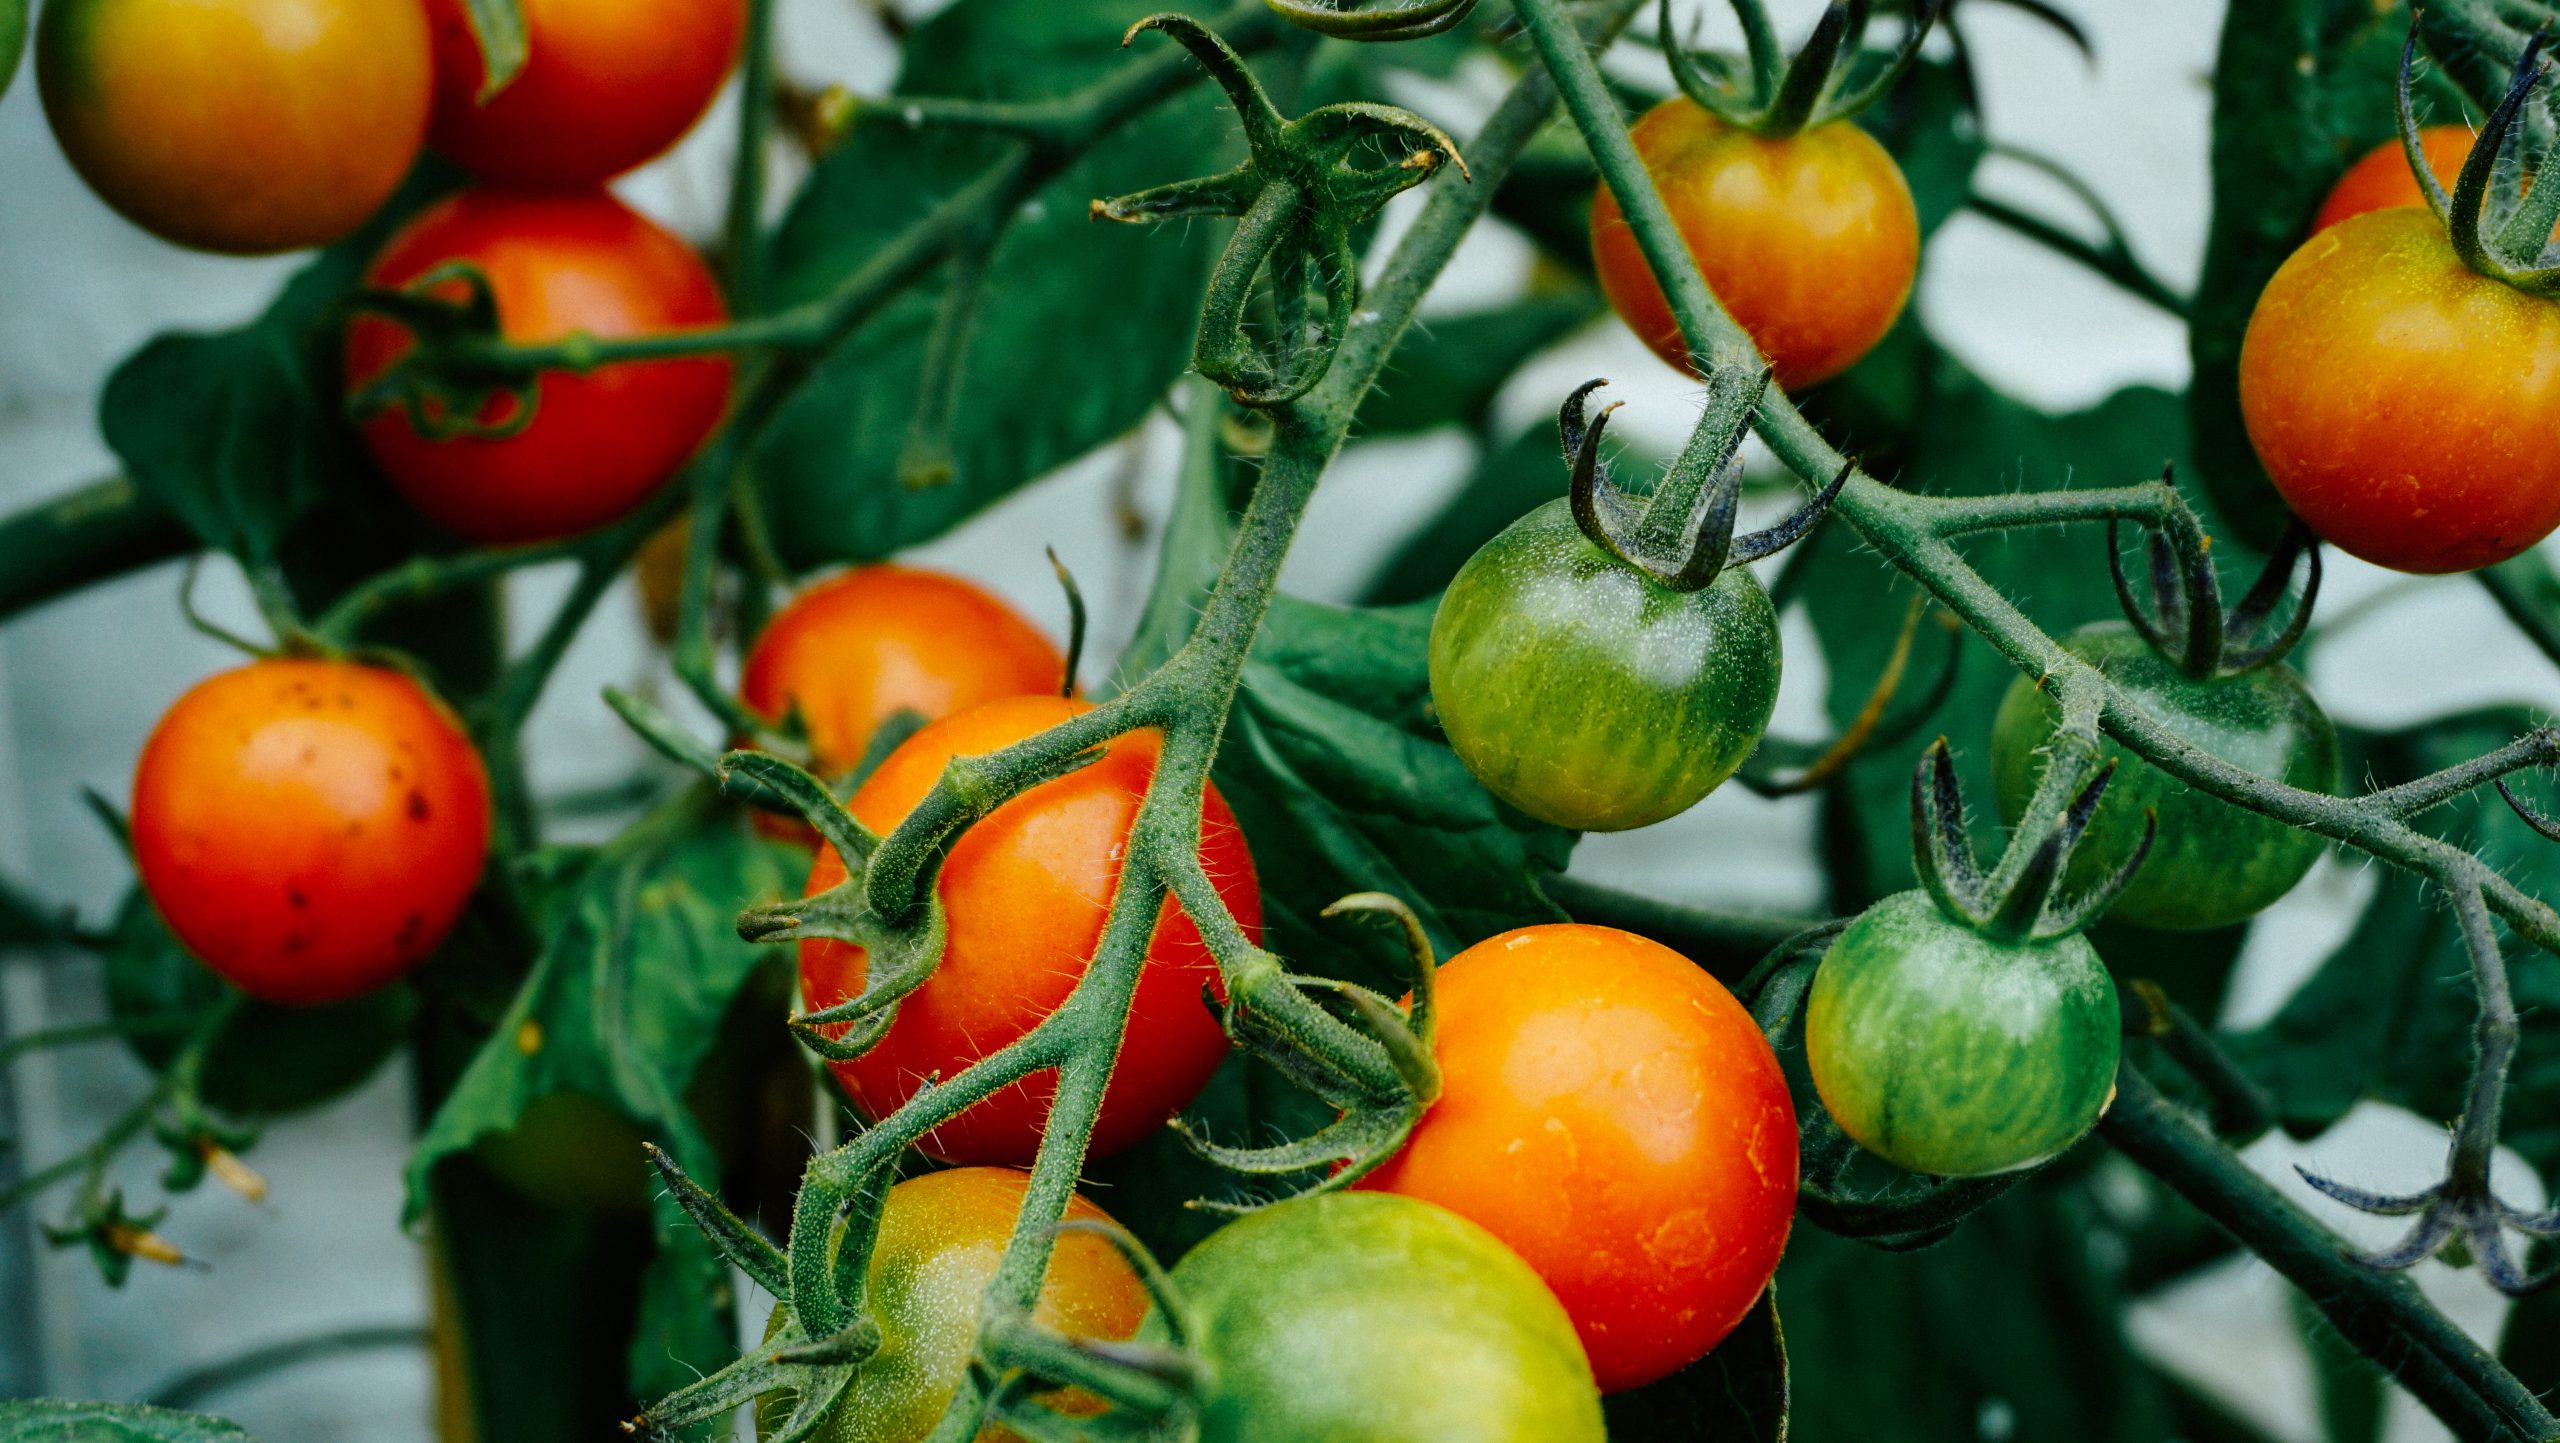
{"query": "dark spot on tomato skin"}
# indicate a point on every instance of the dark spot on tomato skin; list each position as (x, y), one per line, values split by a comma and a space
(418, 809)
(294, 897)
(410, 928)
(297, 942)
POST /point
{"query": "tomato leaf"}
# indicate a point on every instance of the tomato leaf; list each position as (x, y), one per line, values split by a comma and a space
(13, 39)
(498, 26)
(1735, 1394)
(49, 1420)
(1056, 363)
(1447, 369)
(1508, 482)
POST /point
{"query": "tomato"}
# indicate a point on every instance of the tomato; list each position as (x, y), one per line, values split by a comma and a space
(2211, 863)
(598, 443)
(606, 85)
(1379, 1318)
(1590, 695)
(1946, 1052)
(246, 126)
(2381, 179)
(941, 1238)
(2398, 398)
(1810, 241)
(1026, 891)
(309, 829)
(860, 647)
(1615, 1116)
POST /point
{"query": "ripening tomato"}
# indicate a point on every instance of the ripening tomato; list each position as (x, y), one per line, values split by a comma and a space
(941, 1238)
(1381, 1319)
(309, 829)
(1811, 241)
(2400, 400)
(2381, 179)
(860, 647)
(247, 126)
(1615, 1116)
(606, 85)
(1026, 890)
(599, 442)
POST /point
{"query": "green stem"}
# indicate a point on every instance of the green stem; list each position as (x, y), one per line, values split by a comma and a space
(743, 235)
(96, 533)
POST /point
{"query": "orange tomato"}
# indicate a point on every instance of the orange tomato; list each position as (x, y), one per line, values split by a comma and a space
(599, 441)
(606, 85)
(860, 647)
(1810, 241)
(247, 126)
(309, 829)
(1616, 1117)
(2381, 180)
(1026, 891)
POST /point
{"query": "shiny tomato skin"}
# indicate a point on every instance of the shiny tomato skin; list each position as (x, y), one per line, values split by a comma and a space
(309, 829)
(245, 127)
(606, 85)
(2402, 402)
(599, 442)
(1026, 890)
(941, 1237)
(1371, 1318)
(2380, 179)
(1810, 241)
(1612, 1114)
(861, 646)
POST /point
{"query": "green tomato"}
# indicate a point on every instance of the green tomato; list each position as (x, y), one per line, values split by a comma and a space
(1380, 1318)
(1946, 1052)
(2211, 863)
(1590, 695)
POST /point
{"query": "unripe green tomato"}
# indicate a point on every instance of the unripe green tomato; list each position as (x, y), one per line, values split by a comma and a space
(1378, 1318)
(1590, 695)
(2211, 863)
(1943, 1051)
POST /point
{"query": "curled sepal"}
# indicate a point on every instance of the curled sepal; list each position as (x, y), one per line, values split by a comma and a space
(815, 1389)
(2023, 906)
(900, 953)
(1297, 198)
(1775, 95)
(2184, 618)
(1419, 1016)
(2509, 253)
(443, 395)
(2032, 909)
(1138, 1382)
(2448, 1213)
(1398, 20)
(728, 1234)
(1941, 849)
(2532, 816)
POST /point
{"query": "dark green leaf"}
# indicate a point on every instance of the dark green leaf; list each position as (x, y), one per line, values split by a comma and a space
(2531, 1347)
(1447, 369)
(1736, 1394)
(1924, 122)
(51, 1421)
(1506, 484)
(1060, 360)
(13, 39)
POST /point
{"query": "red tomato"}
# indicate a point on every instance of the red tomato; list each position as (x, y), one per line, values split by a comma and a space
(2401, 401)
(1613, 1114)
(310, 829)
(599, 442)
(1810, 241)
(1026, 890)
(247, 126)
(2381, 180)
(859, 647)
(606, 85)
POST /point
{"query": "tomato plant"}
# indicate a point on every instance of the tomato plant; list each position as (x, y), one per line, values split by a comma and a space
(605, 85)
(1610, 1112)
(1027, 890)
(585, 447)
(310, 829)
(248, 127)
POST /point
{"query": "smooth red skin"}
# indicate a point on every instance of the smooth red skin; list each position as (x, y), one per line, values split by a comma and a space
(1811, 242)
(2381, 180)
(1026, 891)
(866, 644)
(606, 85)
(2403, 403)
(1616, 1117)
(309, 829)
(598, 443)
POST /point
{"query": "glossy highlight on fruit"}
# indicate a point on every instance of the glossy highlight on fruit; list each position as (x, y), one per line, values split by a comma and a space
(2211, 863)
(1590, 695)
(245, 126)
(600, 441)
(1026, 890)
(1612, 1114)
(309, 829)
(1810, 241)
(606, 85)
(1946, 1052)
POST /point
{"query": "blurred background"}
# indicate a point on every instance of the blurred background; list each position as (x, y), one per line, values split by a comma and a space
(81, 682)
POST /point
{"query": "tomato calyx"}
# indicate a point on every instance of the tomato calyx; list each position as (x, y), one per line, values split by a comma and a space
(1409, 20)
(2016, 902)
(1297, 198)
(1371, 1060)
(1774, 96)
(447, 384)
(2507, 247)
(2185, 620)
